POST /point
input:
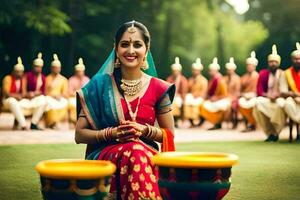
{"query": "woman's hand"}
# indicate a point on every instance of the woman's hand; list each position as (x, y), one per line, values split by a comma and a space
(128, 131)
(140, 129)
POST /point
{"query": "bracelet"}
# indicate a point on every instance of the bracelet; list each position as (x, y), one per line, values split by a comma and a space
(152, 132)
(104, 135)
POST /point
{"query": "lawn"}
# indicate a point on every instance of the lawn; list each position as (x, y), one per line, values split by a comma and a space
(265, 171)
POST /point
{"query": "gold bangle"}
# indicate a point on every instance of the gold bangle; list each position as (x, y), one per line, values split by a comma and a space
(97, 136)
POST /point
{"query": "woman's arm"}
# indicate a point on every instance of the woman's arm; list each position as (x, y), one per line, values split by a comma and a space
(84, 133)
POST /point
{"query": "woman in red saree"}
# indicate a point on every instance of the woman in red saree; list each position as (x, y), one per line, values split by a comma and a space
(118, 110)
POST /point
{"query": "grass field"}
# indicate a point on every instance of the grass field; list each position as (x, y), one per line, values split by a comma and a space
(265, 171)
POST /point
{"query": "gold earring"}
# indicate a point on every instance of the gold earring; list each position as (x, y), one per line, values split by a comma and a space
(145, 66)
(117, 63)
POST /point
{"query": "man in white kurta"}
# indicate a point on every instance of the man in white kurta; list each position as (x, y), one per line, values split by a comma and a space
(13, 94)
(34, 89)
(290, 88)
(268, 111)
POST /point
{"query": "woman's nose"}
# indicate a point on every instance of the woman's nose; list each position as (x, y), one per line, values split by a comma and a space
(131, 49)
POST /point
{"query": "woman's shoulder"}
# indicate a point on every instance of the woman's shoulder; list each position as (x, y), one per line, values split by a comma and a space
(160, 84)
(161, 87)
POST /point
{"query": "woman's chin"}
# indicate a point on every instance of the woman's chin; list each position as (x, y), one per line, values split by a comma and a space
(131, 65)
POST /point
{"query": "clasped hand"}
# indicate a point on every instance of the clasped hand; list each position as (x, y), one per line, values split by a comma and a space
(129, 130)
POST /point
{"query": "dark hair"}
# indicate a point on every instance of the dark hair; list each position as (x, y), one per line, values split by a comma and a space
(141, 27)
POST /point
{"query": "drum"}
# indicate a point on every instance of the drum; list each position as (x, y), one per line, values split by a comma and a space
(68, 179)
(201, 176)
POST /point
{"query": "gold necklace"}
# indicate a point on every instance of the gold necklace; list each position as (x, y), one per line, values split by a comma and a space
(131, 87)
(131, 113)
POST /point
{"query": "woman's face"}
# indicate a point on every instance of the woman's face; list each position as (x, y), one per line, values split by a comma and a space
(131, 50)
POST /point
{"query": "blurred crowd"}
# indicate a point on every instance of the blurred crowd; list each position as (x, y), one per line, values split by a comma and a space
(267, 98)
(36, 95)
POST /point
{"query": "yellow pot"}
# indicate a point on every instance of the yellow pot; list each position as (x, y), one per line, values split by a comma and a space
(74, 179)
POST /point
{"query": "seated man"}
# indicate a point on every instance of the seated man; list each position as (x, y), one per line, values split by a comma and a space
(290, 88)
(248, 93)
(76, 82)
(12, 94)
(217, 103)
(233, 83)
(34, 87)
(181, 90)
(268, 111)
(197, 93)
(57, 94)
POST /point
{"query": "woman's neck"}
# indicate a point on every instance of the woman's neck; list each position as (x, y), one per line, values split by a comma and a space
(131, 73)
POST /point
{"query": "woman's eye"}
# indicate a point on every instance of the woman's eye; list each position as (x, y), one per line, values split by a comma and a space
(137, 45)
(124, 45)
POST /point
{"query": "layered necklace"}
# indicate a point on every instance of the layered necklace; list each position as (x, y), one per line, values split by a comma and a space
(131, 87)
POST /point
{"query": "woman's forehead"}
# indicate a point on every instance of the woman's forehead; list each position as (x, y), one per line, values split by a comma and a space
(131, 37)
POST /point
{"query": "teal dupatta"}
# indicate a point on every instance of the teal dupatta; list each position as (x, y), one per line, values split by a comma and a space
(99, 99)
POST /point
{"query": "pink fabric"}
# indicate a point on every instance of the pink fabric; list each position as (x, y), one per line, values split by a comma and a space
(262, 83)
(32, 82)
(75, 83)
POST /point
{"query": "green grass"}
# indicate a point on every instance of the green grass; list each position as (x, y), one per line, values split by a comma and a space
(265, 171)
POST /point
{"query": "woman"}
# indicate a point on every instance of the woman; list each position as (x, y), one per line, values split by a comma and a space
(117, 112)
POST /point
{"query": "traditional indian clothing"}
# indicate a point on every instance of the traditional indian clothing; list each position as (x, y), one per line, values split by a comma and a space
(75, 83)
(12, 85)
(213, 111)
(37, 105)
(181, 84)
(248, 92)
(56, 91)
(269, 114)
(36, 83)
(233, 83)
(104, 106)
(197, 92)
(291, 82)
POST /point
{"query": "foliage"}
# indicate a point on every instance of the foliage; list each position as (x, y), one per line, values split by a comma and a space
(188, 29)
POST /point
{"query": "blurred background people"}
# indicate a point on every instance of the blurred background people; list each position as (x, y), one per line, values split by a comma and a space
(57, 95)
(181, 84)
(247, 99)
(12, 94)
(197, 88)
(76, 82)
(214, 107)
(268, 111)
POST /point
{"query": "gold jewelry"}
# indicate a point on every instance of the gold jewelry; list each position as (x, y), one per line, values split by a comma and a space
(131, 87)
(131, 113)
(145, 66)
(117, 63)
(98, 136)
(132, 29)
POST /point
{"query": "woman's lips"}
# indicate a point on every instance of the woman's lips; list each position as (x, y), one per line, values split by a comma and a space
(130, 58)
